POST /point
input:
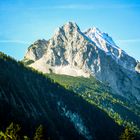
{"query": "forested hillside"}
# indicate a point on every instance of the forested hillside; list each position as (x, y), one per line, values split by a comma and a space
(123, 111)
(32, 100)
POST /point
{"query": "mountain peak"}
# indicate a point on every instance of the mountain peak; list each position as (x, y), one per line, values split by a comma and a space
(72, 52)
(99, 37)
(94, 30)
(71, 24)
(69, 27)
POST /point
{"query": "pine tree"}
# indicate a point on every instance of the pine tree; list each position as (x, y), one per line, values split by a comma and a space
(11, 132)
(127, 135)
(2, 135)
(26, 138)
(39, 134)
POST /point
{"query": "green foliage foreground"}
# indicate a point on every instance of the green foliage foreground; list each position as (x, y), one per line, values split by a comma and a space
(13, 132)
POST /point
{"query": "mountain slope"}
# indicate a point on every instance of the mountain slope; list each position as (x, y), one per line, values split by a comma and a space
(92, 53)
(104, 42)
(29, 98)
(123, 111)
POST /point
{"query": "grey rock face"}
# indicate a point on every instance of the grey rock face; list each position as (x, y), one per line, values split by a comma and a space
(36, 50)
(91, 53)
(137, 68)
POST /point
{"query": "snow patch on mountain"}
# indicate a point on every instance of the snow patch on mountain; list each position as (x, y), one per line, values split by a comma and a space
(100, 38)
(104, 42)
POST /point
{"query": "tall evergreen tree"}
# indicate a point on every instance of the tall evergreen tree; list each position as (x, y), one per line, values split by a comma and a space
(127, 135)
(11, 132)
(39, 134)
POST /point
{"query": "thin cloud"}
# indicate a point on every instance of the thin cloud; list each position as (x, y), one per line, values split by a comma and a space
(137, 40)
(91, 6)
(77, 7)
(14, 41)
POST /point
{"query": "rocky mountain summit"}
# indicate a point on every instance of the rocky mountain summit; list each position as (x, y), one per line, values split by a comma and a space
(91, 53)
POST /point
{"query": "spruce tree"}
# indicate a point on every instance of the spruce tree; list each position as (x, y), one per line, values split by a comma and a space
(11, 132)
(39, 134)
(127, 135)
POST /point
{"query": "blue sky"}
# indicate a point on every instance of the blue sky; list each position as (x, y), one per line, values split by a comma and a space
(24, 21)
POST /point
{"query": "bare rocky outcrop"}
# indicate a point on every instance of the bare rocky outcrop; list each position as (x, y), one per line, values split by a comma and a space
(137, 68)
(92, 53)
